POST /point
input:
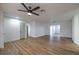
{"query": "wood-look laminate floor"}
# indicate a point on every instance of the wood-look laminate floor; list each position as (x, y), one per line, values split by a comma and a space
(41, 46)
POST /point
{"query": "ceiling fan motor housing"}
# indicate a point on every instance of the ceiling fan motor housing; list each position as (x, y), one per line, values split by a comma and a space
(30, 7)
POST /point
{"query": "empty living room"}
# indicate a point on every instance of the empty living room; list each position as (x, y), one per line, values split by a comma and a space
(39, 28)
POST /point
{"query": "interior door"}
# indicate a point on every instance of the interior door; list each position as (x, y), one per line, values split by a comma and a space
(22, 31)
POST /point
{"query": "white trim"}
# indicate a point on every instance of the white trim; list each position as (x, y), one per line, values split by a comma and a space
(76, 42)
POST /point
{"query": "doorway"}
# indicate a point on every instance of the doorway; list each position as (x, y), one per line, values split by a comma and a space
(54, 31)
(23, 31)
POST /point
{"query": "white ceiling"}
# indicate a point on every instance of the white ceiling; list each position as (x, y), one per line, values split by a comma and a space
(53, 10)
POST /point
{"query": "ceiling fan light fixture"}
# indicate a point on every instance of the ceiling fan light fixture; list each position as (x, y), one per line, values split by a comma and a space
(30, 10)
(29, 14)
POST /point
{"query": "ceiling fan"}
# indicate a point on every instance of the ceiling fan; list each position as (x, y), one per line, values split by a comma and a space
(29, 9)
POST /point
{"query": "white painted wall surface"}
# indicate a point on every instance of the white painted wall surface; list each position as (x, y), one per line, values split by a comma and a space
(32, 29)
(11, 29)
(65, 27)
(1, 30)
(75, 31)
(39, 28)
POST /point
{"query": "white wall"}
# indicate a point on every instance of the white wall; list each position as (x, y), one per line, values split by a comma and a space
(75, 31)
(42, 28)
(65, 27)
(11, 29)
(1, 30)
(39, 28)
(32, 28)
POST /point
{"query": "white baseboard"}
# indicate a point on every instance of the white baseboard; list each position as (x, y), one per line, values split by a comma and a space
(12, 40)
(65, 36)
(37, 36)
(1, 46)
(76, 42)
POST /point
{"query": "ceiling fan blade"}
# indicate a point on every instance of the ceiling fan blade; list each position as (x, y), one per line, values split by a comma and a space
(36, 8)
(35, 13)
(23, 10)
(25, 6)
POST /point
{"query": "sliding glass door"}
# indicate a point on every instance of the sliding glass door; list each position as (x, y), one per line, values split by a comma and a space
(54, 30)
